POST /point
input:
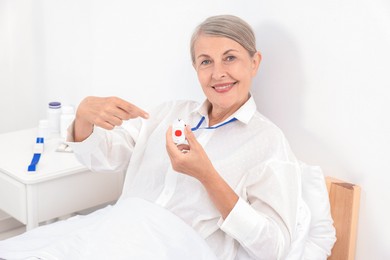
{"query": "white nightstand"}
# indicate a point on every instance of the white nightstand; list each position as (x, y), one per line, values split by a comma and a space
(60, 186)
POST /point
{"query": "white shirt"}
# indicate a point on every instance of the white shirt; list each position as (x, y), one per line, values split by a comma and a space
(251, 154)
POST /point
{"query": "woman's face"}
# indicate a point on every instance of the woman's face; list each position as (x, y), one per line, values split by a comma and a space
(225, 71)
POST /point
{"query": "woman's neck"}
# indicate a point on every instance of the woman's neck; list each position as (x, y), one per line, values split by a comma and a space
(217, 116)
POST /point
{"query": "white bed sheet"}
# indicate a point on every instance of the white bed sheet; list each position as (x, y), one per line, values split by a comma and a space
(132, 229)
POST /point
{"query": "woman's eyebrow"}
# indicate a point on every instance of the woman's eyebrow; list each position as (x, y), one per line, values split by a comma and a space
(207, 56)
(202, 56)
(230, 50)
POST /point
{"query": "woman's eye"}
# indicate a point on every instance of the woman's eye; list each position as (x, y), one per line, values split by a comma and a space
(230, 58)
(205, 62)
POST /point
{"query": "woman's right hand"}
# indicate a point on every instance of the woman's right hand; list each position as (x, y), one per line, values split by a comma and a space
(105, 112)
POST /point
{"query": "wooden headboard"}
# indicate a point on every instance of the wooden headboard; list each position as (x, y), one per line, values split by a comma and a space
(344, 204)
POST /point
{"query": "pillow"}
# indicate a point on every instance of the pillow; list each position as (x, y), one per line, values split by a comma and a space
(322, 234)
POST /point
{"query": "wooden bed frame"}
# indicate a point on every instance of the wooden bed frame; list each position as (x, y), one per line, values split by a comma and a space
(344, 203)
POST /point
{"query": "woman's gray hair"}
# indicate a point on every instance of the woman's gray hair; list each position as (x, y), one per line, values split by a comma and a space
(228, 26)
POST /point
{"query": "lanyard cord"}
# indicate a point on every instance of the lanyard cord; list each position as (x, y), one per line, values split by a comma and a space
(211, 127)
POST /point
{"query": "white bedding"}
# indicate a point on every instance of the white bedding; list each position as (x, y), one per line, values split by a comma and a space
(132, 229)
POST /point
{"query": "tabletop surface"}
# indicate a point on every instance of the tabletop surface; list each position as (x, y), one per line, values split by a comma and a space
(16, 152)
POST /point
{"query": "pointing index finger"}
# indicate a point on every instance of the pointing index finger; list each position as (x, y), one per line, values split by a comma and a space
(131, 109)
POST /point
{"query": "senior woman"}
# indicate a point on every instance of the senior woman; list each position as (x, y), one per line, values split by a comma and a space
(235, 182)
(238, 185)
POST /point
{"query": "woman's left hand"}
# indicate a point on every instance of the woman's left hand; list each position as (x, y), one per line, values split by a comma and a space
(189, 159)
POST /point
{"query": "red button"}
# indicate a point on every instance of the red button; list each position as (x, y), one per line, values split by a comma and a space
(178, 133)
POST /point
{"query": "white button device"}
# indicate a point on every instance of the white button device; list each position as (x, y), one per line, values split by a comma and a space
(178, 135)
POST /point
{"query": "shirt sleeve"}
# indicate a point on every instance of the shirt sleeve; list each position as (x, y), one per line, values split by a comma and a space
(106, 150)
(253, 230)
(263, 221)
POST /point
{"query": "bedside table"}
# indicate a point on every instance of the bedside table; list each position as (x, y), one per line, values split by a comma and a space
(59, 186)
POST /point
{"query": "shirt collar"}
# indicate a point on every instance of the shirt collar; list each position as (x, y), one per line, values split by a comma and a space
(243, 114)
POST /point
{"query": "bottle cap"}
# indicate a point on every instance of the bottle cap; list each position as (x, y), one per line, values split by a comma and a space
(43, 128)
(55, 105)
(69, 110)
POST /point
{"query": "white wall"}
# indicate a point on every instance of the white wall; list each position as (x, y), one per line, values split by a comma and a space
(18, 66)
(322, 80)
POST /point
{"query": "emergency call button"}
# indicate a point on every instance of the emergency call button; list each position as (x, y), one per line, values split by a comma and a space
(178, 133)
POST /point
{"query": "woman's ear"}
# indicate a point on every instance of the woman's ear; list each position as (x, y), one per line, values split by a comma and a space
(256, 60)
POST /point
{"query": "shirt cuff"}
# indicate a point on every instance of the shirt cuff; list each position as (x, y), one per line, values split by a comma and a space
(243, 223)
(88, 144)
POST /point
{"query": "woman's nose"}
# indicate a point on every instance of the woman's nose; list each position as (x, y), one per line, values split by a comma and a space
(219, 71)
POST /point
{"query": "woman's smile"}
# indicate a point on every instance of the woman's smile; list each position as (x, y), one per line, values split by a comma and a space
(223, 87)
